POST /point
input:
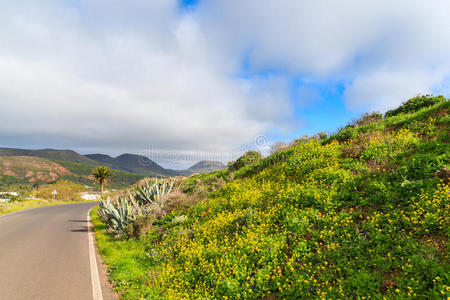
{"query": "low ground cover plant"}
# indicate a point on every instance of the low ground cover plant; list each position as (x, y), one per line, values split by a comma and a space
(363, 213)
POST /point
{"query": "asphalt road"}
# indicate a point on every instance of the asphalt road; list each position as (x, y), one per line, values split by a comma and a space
(44, 253)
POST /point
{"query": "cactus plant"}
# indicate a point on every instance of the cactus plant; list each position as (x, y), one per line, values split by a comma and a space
(116, 217)
(152, 193)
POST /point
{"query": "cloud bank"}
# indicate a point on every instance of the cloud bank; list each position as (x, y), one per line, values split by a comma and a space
(116, 76)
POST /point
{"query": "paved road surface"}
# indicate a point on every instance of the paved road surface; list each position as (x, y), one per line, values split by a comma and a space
(44, 253)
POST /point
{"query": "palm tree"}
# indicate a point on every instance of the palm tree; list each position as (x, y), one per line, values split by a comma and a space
(101, 175)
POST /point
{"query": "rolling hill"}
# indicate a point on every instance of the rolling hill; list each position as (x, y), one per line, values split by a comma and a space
(53, 154)
(206, 166)
(133, 163)
(38, 170)
(360, 214)
(22, 166)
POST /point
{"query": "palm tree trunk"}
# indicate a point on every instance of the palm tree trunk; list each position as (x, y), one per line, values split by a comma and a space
(101, 188)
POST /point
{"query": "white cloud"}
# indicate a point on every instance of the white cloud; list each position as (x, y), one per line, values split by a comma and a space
(384, 89)
(114, 77)
(102, 74)
(341, 40)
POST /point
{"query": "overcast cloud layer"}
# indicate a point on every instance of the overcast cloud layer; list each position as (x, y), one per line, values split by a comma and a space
(116, 76)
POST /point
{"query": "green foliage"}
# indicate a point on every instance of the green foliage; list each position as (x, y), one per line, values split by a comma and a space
(82, 172)
(360, 214)
(101, 175)
(8, 182)
(367, 119)
(322, 136)
(207, 181)
(153, 192)
(248, 158)
(415, 104)
(66, 191)
(117, 216)
(10, 197)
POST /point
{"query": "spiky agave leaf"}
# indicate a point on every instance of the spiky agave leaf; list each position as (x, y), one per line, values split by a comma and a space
(116, 217)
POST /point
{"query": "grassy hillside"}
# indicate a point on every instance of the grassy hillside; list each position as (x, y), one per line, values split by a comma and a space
(206, 166)
(53, 154)
(363, 213)
(30, 170)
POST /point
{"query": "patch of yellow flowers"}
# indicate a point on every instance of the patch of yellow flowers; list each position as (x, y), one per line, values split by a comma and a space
(289, 232)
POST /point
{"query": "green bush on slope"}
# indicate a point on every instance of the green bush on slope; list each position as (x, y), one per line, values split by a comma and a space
(414, 104)
(360, 214)
(248, 158)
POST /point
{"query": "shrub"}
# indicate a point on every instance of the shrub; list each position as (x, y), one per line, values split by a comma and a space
(117, 217)
(415, 104)
(248, 158)
(368, 118)
(66, 191)
(153, 193)
(278, 147)
(140, 226)
(322, 136)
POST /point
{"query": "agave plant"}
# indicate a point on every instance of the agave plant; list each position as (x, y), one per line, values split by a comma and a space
(116, 217)
(152, 193)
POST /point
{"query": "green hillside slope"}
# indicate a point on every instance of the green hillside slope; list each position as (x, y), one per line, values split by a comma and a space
(31, 170)
(62, 155)
(206, 166)
(363, 213)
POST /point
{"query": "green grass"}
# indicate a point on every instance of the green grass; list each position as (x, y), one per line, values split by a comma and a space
(127, 265)
(361, 214)
(6, 207)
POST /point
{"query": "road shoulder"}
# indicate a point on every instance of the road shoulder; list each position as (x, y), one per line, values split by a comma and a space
(102, 273)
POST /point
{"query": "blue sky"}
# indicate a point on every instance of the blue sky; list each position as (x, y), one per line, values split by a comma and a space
(207, 78)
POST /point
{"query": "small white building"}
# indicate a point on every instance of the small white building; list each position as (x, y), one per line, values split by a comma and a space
(6, 196)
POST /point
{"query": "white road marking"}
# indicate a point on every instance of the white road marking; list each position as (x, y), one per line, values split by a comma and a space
(96, 287)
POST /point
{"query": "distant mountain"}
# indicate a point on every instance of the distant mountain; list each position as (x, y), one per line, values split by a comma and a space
(130, 163)
(64, 155)
(142, 165)
(205, 166)
(38, 170)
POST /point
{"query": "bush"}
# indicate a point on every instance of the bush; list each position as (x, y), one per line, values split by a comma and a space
(66, 191)
(368, 118)
(278, 147)
(248, 158)
(140, 227)
(10, 197)
(322, 136)
(415, 104)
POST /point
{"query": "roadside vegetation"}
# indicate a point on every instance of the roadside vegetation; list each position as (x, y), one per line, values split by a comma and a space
(12, 206)
(43, 195)
(102, 175)
(362, 213)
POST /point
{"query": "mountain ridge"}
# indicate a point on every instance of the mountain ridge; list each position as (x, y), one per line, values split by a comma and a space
(126, 162)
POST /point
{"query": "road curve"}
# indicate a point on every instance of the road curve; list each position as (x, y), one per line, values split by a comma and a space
(44, 253)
